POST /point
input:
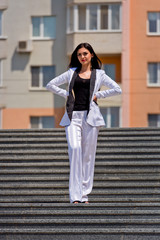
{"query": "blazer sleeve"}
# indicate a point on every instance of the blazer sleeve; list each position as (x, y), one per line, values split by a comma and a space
(54, 84)
(113, 90)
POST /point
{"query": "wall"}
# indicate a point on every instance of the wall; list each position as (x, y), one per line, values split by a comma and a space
(19, 100)
(143, 49)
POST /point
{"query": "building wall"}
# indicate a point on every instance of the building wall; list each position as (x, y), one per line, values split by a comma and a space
(110, 43)
(17, 97)
(125, 67)
(143, 49)
(91, 1)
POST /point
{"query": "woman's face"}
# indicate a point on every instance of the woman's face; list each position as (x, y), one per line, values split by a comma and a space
(84, 56)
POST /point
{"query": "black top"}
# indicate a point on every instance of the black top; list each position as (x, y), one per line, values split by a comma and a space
(81, 90)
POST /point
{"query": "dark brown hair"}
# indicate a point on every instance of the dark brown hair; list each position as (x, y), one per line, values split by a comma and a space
(95, 61)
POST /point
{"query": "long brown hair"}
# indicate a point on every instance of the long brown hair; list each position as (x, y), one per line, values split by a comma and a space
(95, 61)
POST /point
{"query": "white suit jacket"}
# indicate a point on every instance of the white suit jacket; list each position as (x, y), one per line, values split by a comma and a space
(98, 79)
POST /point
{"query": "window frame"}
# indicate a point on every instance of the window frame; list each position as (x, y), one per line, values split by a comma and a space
(108, 116)
(76, 18)
(158, 74)
(42, 37)
(158, 122)
(105, 65)
(40, 122)
(1, 21)
(40, 88)
(157, 33)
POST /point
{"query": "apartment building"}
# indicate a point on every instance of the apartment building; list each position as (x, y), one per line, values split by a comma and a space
(32, 52)
(141, 63)
(36, 41)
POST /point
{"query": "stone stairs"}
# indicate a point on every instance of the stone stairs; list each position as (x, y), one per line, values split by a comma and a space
(124, 203)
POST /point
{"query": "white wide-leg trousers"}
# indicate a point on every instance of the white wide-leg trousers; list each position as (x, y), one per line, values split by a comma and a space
(82, 143)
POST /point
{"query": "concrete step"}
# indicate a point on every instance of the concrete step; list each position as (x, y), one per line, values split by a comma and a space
(77, 231)
(57, 164)
(62, 139)
(97, 185)
(92, 206)
(98, 178)
(60, 145)
(107, 151)
(64, 158)
(73, 221)
(92, 199)
(98, 170)
(77, 212)
(153, 130)
(149, 191)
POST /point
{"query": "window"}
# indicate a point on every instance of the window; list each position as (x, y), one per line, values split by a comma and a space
(42, 122)
(82, 17)
(154, 120)
(94, 17)
(111, 116)
(104, 17)
(44, 27)
(0, 23)
(154, 22)
(154, 74)
(71, 18)
(41, 76)
(115, 11)
(110, 70)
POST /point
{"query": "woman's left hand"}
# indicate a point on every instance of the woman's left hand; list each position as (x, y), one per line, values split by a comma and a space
(95, 98)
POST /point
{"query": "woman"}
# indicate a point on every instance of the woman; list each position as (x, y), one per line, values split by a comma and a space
(82, 118)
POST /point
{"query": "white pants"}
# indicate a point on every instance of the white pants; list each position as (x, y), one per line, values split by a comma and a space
(82, 142)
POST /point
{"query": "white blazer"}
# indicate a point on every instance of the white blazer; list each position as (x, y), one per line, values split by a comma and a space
(98, 79)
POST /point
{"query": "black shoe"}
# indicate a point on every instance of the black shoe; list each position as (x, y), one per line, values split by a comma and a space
(75, 202)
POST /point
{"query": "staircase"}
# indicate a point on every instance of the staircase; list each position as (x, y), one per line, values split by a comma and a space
(124, 203)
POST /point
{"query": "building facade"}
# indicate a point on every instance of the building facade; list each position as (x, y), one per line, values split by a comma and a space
(36, 41)
(141, 63)
(32, 52)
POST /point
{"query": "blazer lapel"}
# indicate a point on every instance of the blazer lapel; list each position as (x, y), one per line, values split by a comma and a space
(70, 99)
(92, 84)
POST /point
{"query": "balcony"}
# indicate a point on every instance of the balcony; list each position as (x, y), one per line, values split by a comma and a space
(102, 42)
(100, 24)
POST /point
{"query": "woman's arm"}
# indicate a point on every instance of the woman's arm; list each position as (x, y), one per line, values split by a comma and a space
(54, 84)
(113, 90)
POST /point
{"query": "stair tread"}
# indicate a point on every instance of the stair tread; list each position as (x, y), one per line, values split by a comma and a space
(36, 144)
(65, 185)
(92, 199)
(73, 220)
(64, 157)
(75, 231)
(116, 177)
(97, 163)
(108, 191)
(79, 212)
(101, 170)
(72, 206)
(62, 151)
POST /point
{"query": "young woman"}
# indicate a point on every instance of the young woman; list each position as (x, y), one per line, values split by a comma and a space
(82, 118)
